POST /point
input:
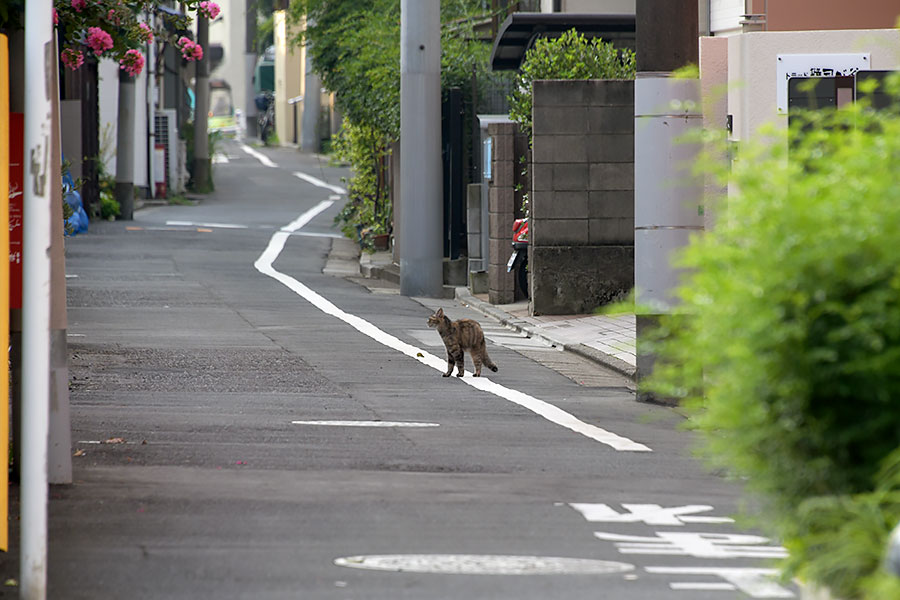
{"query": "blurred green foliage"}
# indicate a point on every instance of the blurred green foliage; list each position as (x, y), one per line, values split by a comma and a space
(786, 344)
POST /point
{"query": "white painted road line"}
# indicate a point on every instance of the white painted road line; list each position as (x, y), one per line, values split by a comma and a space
(550, 412)
(258, 156)
(213, 225)
(365, 424)
(318, 182)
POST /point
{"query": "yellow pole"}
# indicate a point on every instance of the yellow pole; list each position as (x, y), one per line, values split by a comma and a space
(4, 293)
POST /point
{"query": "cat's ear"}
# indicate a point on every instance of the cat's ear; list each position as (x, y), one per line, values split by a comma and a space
(439, 313)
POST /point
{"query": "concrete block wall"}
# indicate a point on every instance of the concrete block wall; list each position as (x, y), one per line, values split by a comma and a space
(504, 202)
(581, 254)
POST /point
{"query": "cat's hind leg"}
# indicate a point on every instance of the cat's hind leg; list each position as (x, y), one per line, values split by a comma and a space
(450, 363)
(460, 363)
(476, 360)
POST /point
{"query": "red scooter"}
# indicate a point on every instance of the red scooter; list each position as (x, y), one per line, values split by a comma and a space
(519, 258)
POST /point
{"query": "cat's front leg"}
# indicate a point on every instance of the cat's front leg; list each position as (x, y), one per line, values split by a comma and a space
(461, 366)
(450, 363)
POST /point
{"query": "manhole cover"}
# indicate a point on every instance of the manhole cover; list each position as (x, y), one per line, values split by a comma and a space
(474, 564)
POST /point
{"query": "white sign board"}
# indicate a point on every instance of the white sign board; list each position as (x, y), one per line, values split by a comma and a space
(814, 65)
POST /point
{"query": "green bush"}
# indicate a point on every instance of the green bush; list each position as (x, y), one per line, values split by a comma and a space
(787, 343)
(570, 56)
(109, 206)
(368, 208)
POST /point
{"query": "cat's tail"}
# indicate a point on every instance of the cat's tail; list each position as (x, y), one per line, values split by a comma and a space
(489, 363)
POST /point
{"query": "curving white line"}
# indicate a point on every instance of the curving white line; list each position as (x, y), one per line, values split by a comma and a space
(550, 412)
(318, 182)
(265, 160)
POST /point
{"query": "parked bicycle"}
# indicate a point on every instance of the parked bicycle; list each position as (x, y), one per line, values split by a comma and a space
(265, 105)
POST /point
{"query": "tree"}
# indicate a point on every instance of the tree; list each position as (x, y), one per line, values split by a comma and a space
(355, 47)
(570, 56)
(118, 29)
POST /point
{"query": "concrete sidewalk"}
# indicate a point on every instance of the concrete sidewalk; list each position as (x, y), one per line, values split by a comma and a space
(605, 339)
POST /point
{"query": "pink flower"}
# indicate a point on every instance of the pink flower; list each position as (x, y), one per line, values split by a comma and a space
(72, 58)
(55, 17)
(78, 5)
(209, 9)
(145, 33)
(132, 62)
(98, 40)
(190, 50)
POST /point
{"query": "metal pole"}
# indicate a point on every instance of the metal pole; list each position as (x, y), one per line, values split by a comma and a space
(312, 103)
(421, 261)
(201, 109)
(125, 147)
(250, 65)
(40, 67)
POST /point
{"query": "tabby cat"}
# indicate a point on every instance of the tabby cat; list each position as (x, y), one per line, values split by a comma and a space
(459, 336)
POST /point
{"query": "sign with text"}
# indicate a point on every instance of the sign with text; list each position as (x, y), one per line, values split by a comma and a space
(16, 205)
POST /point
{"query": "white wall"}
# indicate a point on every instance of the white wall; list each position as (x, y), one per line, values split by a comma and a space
(229, 30)
(108, 95)
(606, 7)
(752, 66)
(725, 17)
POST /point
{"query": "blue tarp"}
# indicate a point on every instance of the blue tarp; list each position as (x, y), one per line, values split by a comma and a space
(78, 222)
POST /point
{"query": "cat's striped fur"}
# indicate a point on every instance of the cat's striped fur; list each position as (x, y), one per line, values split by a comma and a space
(460, 336)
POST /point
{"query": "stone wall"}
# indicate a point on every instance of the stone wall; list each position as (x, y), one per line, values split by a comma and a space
(581, 253)
(504, 203)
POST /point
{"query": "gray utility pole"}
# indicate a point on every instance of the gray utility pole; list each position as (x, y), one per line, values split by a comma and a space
(667, 201)
(125, 147)
(40, 69)
(421, 225)
(201, 108)
(312, 104)
(250, 65)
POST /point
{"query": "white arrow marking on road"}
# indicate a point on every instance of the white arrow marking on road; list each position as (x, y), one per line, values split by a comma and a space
(544, 409)
(365, 423)
(318, 182)
(258, 156)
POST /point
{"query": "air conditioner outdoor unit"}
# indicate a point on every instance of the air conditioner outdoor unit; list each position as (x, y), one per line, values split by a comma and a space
(167, 135)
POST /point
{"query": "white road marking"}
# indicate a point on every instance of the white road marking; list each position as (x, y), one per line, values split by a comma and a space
(650, 514)
(365, 423)
(319, 183)
(334, 236)
(697, 545)
(703, 587)
(756, 583)
(544, 409)
(219, 159)
(265, 160)
(213, 225)
(473, 564)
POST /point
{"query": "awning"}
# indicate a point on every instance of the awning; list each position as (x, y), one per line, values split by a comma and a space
(520, 30)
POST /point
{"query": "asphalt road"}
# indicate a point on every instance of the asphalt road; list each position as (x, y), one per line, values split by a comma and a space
(277, 442)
